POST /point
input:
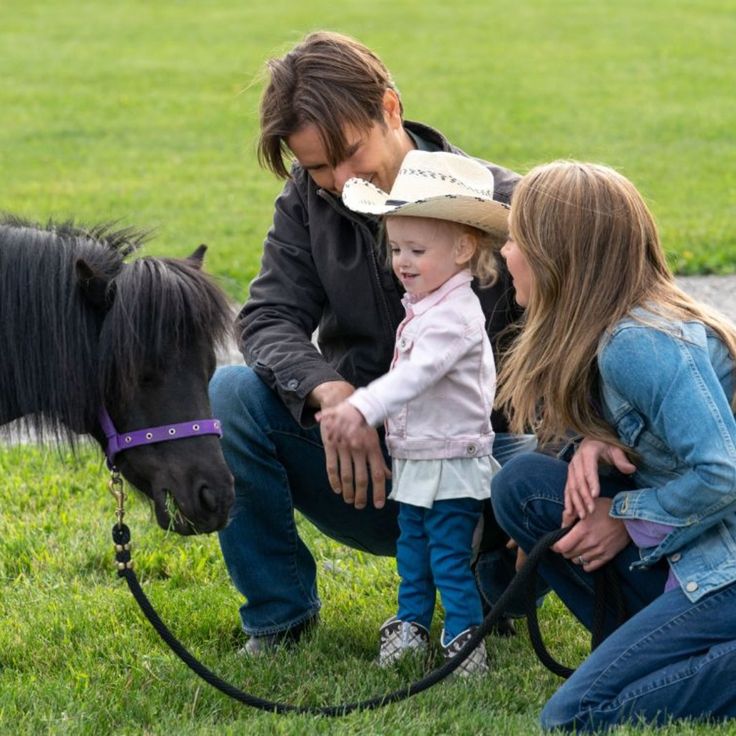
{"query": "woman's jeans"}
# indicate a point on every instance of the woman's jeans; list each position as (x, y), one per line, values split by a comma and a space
(279, 467)
(433, 553)
(672, 659)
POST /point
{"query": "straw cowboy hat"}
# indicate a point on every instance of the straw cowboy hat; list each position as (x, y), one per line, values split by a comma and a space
(442, 185)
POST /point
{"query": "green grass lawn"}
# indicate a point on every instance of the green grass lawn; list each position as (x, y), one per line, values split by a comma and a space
(146, 113)
(77, 656)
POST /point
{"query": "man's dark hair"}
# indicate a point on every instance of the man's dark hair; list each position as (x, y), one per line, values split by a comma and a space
(329, 80)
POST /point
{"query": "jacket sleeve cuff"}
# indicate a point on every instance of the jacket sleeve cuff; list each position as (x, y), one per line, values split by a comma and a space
(294, 389)
(372, 410)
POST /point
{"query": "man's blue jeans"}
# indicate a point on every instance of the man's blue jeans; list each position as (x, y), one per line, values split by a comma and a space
(279, 467)
(672, 659)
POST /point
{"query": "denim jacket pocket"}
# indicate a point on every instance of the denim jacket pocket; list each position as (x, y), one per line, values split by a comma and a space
(397, 423)
(629, 427)
(652, 451)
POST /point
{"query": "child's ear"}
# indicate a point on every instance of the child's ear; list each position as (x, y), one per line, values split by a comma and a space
(465, 249)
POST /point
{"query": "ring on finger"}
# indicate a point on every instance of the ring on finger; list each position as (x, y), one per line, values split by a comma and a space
(581, 560)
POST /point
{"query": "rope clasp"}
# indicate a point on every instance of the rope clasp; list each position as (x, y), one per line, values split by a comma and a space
(117, 491)
(120, 531)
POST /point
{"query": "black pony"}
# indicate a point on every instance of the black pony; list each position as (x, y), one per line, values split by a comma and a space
(82, 330)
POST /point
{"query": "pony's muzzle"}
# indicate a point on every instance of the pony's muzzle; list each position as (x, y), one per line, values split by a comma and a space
(215, 503)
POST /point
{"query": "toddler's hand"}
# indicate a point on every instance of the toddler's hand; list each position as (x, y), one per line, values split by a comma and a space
(341, 424)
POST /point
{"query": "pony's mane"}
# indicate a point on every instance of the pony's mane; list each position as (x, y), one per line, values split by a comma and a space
(161, 307)
(123, 241)
(62, 354)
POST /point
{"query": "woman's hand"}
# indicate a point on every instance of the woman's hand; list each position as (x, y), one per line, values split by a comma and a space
(594, 540)
(583, 485)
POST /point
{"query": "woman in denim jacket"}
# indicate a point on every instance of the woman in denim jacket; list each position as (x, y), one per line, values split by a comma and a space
(613, 350)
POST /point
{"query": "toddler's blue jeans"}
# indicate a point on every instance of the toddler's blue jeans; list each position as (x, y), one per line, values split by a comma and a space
(433, 552)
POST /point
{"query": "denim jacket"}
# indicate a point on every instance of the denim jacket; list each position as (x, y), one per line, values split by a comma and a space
(666, 387)
(438, 395)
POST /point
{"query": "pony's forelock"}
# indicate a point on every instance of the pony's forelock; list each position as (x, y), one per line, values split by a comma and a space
(161, 307)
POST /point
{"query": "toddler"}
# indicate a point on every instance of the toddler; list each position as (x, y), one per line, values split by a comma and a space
(442, 224)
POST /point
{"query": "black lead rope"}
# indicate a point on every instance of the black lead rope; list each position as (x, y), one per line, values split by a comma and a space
(607, 586)
(523, 580)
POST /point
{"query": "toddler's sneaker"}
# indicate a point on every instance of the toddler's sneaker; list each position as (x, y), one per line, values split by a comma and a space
(399, 637)
(477, 661)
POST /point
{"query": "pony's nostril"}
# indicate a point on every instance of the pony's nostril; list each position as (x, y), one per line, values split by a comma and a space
(208, 498)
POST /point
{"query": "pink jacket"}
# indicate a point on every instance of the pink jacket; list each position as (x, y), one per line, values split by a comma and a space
(438, 395)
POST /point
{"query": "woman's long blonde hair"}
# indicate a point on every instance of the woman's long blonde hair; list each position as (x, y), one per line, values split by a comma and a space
(594, 254)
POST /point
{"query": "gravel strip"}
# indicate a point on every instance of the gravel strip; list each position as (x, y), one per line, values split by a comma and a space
(716, 291)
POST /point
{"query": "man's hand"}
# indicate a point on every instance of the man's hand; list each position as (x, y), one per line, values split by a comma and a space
(595, 540)
(583, 484)
(349, 467)
(329, 394)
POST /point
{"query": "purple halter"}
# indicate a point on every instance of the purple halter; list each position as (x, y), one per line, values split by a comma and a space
(117, 442)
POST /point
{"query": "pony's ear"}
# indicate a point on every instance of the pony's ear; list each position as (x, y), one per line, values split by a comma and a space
(197, 257)
(94, 285)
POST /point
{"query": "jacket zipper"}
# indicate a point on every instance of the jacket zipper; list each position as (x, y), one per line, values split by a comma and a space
(371, 243)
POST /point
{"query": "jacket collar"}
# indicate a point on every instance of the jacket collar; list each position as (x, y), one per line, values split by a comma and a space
(435, 297)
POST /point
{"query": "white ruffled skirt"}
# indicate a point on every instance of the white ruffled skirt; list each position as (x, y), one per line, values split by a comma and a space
(422, 482)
